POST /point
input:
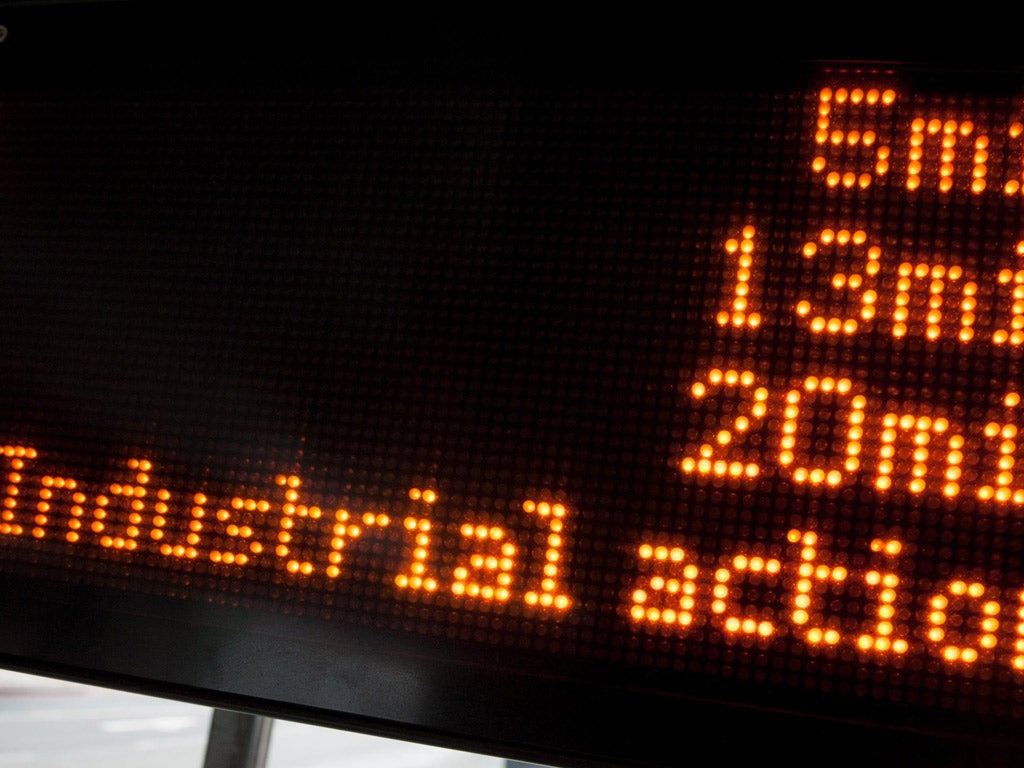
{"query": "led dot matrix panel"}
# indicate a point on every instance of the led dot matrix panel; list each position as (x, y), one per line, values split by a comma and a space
(569, 420)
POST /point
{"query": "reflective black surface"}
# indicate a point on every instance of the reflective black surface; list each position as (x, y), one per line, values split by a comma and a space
(383, 257)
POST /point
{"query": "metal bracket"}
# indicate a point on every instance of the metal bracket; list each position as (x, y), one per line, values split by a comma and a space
(237, 740)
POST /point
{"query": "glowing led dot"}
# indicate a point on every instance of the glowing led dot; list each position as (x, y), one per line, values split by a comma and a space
(985, 638)
(724, 437)
(721, 591)
(678, 610)
(818, 475)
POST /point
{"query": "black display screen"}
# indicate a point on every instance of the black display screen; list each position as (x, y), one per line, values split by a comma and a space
(561, 418)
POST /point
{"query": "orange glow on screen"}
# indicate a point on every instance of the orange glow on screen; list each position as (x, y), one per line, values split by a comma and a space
(862, 285)
(673, 594)
(742, 310)
(798, 429)
(494, 569)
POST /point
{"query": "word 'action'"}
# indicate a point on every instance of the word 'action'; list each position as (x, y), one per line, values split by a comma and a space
(760, 596)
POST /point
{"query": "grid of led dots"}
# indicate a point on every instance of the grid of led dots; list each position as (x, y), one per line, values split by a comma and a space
(724, 384)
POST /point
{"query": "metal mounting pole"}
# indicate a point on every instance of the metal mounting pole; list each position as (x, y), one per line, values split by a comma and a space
(237, 740)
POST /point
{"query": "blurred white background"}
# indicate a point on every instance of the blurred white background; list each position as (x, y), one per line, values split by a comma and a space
(46, 723)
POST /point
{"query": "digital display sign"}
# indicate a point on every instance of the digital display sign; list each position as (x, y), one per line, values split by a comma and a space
(564, 419)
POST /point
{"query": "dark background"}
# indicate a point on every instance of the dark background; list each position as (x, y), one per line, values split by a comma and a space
(475, 256)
